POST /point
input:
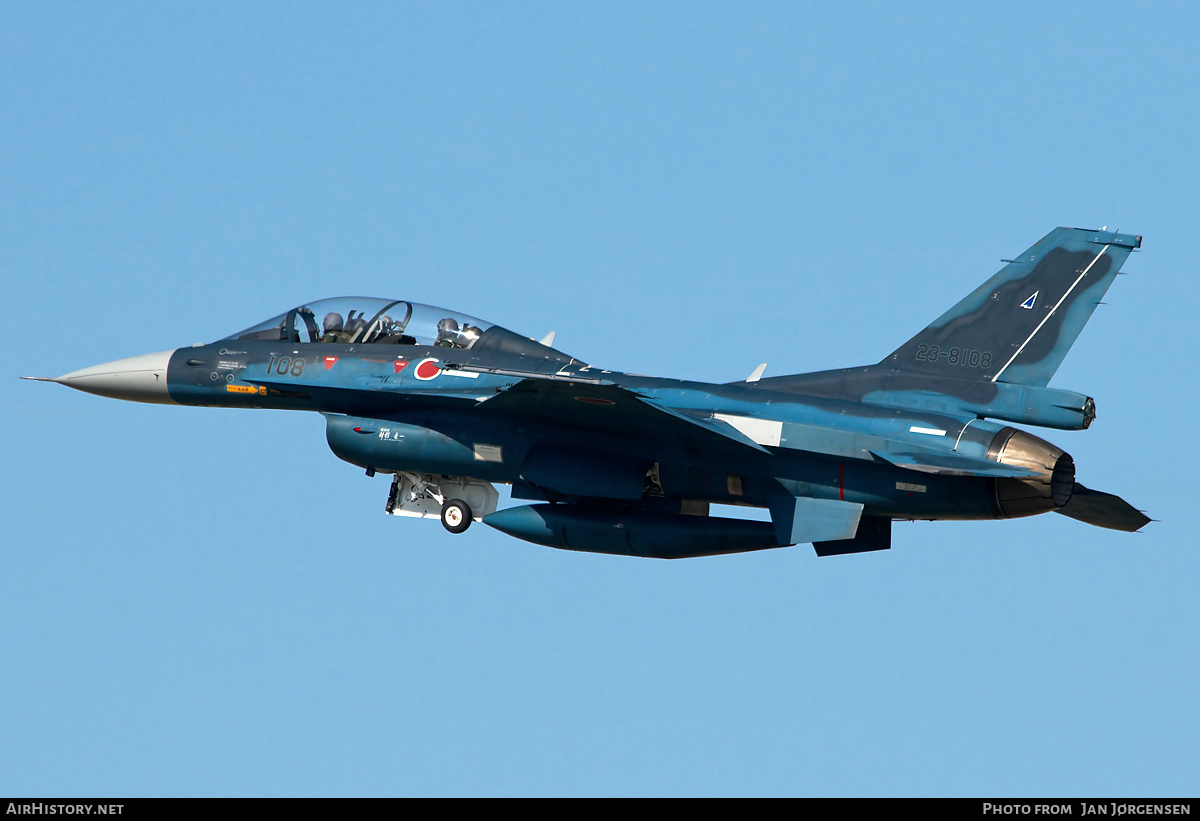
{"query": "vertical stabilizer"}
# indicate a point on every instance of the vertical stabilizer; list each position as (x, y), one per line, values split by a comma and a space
(1018, 326)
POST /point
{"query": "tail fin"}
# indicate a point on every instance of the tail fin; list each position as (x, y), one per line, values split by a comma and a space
(1018, 326)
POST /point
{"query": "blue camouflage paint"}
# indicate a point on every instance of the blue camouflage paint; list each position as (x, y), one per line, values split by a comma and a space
(629, 464)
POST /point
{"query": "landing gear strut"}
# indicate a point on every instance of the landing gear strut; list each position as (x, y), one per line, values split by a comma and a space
(456, 500)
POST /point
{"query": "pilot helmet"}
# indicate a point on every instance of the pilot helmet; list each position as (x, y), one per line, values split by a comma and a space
(447, 331)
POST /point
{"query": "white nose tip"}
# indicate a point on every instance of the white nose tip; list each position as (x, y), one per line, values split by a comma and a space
(136, 379)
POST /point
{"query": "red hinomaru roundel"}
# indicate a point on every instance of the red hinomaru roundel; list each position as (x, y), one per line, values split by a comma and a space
(427, 369)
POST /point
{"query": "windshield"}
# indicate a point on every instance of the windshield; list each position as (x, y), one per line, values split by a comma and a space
(369, 321)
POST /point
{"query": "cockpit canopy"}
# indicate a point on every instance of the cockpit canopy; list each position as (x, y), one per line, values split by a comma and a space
(370, 321)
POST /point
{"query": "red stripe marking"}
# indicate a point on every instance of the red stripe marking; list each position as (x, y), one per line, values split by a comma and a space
(841, 480)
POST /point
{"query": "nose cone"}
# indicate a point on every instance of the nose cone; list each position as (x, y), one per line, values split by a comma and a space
(136, 379)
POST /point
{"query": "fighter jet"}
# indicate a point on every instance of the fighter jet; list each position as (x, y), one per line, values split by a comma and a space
(450, 406)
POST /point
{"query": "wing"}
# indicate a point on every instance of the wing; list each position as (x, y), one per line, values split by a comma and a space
(595, 406)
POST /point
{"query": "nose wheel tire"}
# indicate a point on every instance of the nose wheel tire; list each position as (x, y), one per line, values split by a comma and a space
(456, 515)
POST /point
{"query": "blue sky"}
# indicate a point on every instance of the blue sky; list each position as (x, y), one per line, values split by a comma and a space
(208, 602)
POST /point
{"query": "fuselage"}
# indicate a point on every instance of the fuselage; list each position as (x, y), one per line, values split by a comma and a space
(451, 405)
(418, 408)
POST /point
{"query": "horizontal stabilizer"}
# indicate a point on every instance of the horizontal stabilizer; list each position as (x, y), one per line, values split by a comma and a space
(1094, 507)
